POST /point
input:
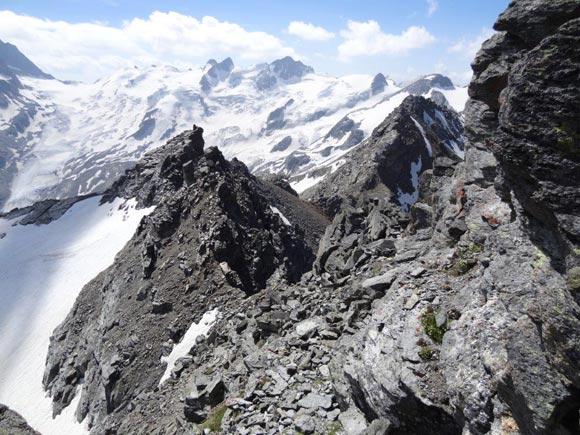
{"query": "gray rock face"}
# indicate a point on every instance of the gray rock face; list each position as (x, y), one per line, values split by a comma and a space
(529, 98)
(216, 74)
(439, 99)
(17, 63)
(379, 84)
(389, 163)
(425, 84)
(12, 423)
(211, 240)
(286, 70)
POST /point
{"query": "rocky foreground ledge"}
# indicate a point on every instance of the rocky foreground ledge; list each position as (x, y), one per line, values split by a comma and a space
(12, 423)
(454, 313)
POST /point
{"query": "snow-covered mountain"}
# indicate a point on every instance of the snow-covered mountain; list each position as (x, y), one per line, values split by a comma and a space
(61, 139)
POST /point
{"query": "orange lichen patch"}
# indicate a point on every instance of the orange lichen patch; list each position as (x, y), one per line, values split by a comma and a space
(460, 197)
(509, 426)
(491, 221)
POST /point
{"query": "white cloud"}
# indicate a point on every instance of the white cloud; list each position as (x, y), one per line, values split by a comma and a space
(309, 32)
(367, 39)
(468, 48)
(86, 51)
(433, 6)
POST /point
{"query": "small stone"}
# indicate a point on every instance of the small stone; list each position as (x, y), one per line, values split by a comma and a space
(308, 327)
(305, 424)
(324, 370)
(411, 302)
(352, 421)
(313, 400)
(161, 307)
(225, 267)
(441, 318)
(291, 368)
(328, 334)
(333, 415)
(574, 279)
(418, 272)
(381, 282)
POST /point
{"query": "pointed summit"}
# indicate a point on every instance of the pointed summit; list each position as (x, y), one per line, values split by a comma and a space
(287, 68)
(426, 83)
(379, 84)
(216, 73)
(13, 62)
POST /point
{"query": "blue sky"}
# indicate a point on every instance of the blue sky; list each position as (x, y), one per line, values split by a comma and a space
(83, 40)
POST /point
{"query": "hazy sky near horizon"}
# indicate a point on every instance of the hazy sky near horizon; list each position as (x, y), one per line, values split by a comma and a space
(88, 39)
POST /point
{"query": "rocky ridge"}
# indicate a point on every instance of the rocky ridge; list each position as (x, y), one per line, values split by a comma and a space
(211, 241)
(12, 423)
(457, 314)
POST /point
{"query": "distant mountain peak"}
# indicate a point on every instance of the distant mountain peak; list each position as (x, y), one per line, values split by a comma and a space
(287, 68)
(12, 59)
(216, 73)
(379, 84)
(426, 83)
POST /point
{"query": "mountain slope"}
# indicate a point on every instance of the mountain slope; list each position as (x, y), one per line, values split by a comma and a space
(13, 61)
(43, 270)
(443, 299)
(212, 240)
(277, 118)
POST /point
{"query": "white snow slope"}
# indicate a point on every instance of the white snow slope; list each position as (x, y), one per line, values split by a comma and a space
(83, 136)
(42, 270)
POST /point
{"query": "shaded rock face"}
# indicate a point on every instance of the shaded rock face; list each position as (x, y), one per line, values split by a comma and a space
(389, 163)
(12, 423)
(212, 239)
(478, 332)
(526, 91)
(286, 70)
(379, 84)
(276, 120)
(283, 144)
(217, 73)
(425, 84)
(12, 140)
(12, 60)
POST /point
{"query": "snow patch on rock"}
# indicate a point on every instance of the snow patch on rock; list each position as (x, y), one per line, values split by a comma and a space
(182, 348)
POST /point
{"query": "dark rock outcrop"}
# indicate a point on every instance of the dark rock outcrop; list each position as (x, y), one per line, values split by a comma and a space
(379, 84)
(212, 239)
(285, 70)
(216, 73)
(389, 163)
(12, 59)
(479, 332)
(12, 423)
(527, 93)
